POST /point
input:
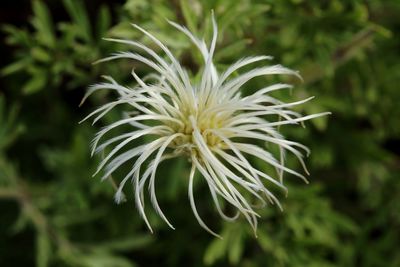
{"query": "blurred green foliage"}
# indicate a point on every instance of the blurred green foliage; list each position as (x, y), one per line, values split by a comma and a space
(55, 214)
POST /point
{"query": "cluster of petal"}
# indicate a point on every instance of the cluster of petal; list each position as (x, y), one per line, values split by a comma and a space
(203, 122)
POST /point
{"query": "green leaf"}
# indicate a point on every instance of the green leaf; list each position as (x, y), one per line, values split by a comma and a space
(179, 171)
(36, 83)
(236, 244)
(321, 122)
(40, 54)
(16, 66)
(16, 36)
(43, 250)
(43, 24)
(77, 12)
(215, 251)
(10, 128)
(103, 22)
(232, 49)
(189, 14)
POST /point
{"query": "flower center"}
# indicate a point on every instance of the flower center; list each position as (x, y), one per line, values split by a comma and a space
(204, 125)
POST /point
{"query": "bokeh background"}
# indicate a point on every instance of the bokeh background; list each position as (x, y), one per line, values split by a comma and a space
(53, 213)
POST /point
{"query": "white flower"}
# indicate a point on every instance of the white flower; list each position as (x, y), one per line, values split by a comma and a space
(209, 122)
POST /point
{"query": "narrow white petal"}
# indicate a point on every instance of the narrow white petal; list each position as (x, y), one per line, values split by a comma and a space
(153, 174)
(193, 204)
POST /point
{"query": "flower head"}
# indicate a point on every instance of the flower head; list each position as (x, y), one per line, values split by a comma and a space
(208, 122)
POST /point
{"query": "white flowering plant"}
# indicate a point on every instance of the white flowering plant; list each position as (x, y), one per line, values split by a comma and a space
(208, 121)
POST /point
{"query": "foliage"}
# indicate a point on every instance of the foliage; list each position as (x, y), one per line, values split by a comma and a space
(57, 215)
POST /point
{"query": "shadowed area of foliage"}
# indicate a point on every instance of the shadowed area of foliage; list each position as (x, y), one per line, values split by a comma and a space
(55, 214)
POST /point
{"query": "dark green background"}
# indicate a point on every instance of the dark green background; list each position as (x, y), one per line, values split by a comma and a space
(54, 214)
